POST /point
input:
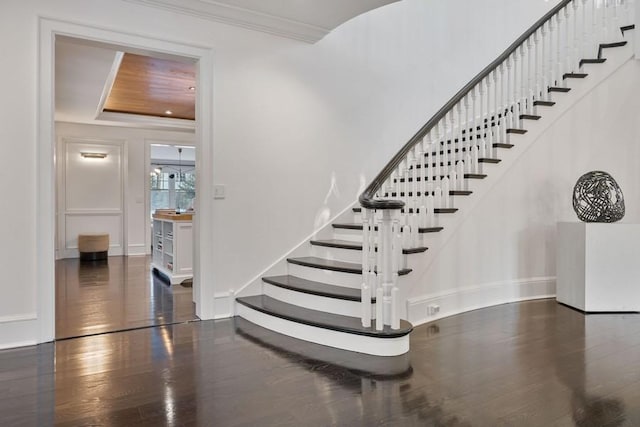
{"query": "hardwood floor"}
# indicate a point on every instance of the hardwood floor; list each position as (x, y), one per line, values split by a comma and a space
(527, 364)
(120, 294)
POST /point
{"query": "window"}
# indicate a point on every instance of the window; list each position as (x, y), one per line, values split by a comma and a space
(172, 190)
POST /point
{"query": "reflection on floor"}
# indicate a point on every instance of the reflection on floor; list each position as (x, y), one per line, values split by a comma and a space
(120, 294)
(527, 364)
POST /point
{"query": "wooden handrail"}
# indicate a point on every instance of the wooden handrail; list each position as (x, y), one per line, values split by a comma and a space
(367, 198)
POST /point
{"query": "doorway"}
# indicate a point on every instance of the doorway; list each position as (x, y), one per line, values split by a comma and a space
(50, 31)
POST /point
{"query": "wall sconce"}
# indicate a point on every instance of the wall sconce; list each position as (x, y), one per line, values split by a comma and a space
(93, 155)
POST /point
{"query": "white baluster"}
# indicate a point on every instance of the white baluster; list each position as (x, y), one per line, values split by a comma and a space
(474, 159)
(510, 84)
(453, 179)
(615, 21)
(430, 159)
(424, 171)
(584, 52)
(379, 308)
(559, 62)
(531, 73)
(467, 121)
(498, 82)
(366, 255)
(552, 55)
(445, 192)
(406, 236)
(474, 119)
(491, 117)
(460, 175)
(423, 218)
(429, 211)
(577, 23)
(603, 24)
(484, 125)
(460, 144)
(544, 64)
(522, 90)
(437, 197)
(415, 233)
(395, 307)
(567, 48)
(594, 28)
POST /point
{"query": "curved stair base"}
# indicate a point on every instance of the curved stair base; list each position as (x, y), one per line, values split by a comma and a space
(309, 354)
(345, 341)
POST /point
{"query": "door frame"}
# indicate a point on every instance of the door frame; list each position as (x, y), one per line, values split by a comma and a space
(49, 29)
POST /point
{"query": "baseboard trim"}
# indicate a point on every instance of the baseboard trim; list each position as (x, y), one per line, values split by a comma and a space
(18, 331)
(137, 250)
(479, 296)
(224, 305)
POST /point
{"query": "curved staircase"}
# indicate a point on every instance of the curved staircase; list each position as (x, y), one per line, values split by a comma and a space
(348, 291)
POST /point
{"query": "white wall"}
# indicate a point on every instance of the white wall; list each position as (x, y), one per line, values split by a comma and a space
(136, 141)
(289, 118)
(508, 245)
(90, 194)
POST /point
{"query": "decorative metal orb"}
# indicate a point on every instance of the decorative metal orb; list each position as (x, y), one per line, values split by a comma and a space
(597, 197)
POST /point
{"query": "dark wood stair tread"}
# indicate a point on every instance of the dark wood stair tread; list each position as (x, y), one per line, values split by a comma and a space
(320, 319)
(609, 45)
(574, 75)
(530, 117)
(502, 145)
(517, 131)
(592, 61)
(311, 287)
(559, 89)
(489, 160)
(627, 28)
(356, 246)
(544, 103)
(334, 265)
(359, 227)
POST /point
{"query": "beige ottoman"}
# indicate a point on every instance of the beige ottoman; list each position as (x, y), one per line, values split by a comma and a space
(93, 247)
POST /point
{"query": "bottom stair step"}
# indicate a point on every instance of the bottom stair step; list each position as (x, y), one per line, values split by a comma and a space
(315, 355)
(323, 328)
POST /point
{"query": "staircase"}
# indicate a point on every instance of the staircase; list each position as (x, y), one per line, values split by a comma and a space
(348, 291)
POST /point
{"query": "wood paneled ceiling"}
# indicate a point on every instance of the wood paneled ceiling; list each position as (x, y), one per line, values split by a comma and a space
(153, 87)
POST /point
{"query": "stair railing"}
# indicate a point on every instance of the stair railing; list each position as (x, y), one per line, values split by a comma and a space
(431, 167)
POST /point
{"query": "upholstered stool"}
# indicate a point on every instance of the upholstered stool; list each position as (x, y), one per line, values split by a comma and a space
(93, 247)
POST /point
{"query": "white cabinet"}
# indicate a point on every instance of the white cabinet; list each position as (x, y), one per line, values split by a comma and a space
(173, 246)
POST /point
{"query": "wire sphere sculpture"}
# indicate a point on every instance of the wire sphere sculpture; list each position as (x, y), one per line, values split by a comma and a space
(597, 197)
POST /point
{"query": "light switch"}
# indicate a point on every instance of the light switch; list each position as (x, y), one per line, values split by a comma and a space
(219, 191)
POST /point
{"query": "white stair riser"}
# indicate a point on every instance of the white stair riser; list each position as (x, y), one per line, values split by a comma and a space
(326, 276)
(342, 340)
(350, 235)
(315, 302)
(348, 255)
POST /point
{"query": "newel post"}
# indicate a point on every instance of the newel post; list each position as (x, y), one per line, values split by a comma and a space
(381, 255)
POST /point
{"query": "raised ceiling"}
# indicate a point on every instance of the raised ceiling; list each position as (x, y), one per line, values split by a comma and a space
(153, 87)
(306, 20)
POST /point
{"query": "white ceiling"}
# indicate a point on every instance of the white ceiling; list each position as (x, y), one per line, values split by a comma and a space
(306, 20)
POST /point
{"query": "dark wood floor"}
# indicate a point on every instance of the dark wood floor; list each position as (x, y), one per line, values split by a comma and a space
(527, 364)
(115, 295)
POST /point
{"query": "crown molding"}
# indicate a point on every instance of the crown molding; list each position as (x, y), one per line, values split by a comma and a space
(241, 17)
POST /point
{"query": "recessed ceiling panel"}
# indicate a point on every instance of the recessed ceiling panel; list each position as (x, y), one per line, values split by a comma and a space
(153, 87)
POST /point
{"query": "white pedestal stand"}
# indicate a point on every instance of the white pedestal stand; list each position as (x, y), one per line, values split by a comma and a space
(598, 266)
